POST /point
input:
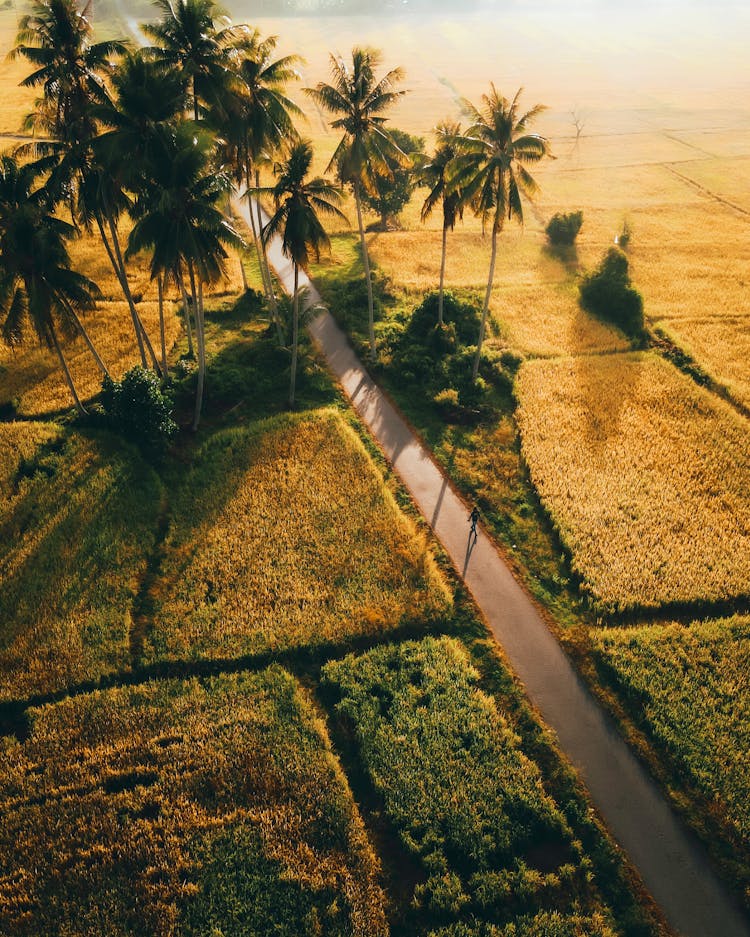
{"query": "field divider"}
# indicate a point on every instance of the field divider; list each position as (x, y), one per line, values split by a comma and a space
(671, 861)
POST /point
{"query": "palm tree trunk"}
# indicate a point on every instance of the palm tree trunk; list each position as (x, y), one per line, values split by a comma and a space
(264, 260)
(68, 379)
(186, 313)
(242, 273)
(442, 275)
(368, 279)
(485, 308)
(133, 313)
(86, 337)
(295, 336)
(123, 276)
(197, 296)
(160, 288)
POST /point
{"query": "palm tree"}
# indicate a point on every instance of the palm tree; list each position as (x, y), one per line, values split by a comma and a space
(363, 152)
(72, 71)
(178, 219)
(37, 286)
(298, 201)
(436, 176)
(491, 170)
(255, 118)
(147, 97)
(187, 39)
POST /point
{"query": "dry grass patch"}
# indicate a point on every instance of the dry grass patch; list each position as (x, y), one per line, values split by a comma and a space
(725, 178)
(284, 535)
(73, 545)
(645, 475)
(689, 685)
(17, 102)
(183, 808)
(31, 378)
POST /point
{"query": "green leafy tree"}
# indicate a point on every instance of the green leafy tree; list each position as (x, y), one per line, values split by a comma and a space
(38, 288)
(179, 220)
(391, 194)
(609, 294)
(298, 202)
(362, 155)
(491, 171)
(436, 175)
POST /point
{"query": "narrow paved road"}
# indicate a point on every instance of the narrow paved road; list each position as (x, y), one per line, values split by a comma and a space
(671, 861)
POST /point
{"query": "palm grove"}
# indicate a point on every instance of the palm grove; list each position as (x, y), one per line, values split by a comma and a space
(165, 134)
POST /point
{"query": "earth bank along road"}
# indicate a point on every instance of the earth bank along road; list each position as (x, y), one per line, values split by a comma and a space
(671, 861)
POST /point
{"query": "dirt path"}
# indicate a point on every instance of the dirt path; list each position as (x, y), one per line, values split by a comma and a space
(671, 861)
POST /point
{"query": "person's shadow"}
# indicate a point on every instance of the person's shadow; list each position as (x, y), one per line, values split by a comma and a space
(471, 543)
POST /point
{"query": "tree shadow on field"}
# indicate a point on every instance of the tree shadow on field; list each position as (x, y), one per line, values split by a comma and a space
(606, 387)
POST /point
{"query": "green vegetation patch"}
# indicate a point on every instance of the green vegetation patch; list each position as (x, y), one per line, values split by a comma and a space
(183, 807)
(690, 686)
(544, 924)
(73, 545)
(18, 445)
(284, 535)
(456, 785)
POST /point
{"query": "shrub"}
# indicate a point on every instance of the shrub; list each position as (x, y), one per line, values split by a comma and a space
(139, 410)
(607, 293)
(563, 228)
(463, 315)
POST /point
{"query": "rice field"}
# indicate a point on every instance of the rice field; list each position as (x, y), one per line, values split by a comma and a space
(689, 686)
(74, 537)
(645, 476)
(721, 345)
(462, 796)
(283, 535)
(183, 808)
(18, 444)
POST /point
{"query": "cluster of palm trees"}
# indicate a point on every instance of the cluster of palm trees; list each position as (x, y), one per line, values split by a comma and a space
(164, 133)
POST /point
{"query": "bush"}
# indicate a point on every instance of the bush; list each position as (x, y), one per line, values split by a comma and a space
(464, 316)
(138, 410)
(608, 294)
(562, 229)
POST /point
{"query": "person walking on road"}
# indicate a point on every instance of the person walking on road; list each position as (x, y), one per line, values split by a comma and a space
(474, 517)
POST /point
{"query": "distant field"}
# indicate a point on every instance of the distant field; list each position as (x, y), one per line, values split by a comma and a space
(689, 686)
(191, 808)
(74, 537)
(16, 102)
(282, 536)
(645, 476)
(460, 793)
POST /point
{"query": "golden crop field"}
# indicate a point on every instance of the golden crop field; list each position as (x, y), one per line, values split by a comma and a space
(655, 151)
(689, 685)
(183, 808)
(284, 535)
(73, 544)
(721, 345)
(645, 475)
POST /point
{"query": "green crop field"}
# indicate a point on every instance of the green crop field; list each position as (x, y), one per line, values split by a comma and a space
(456, 786)
(688, 685)
(183, 807)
